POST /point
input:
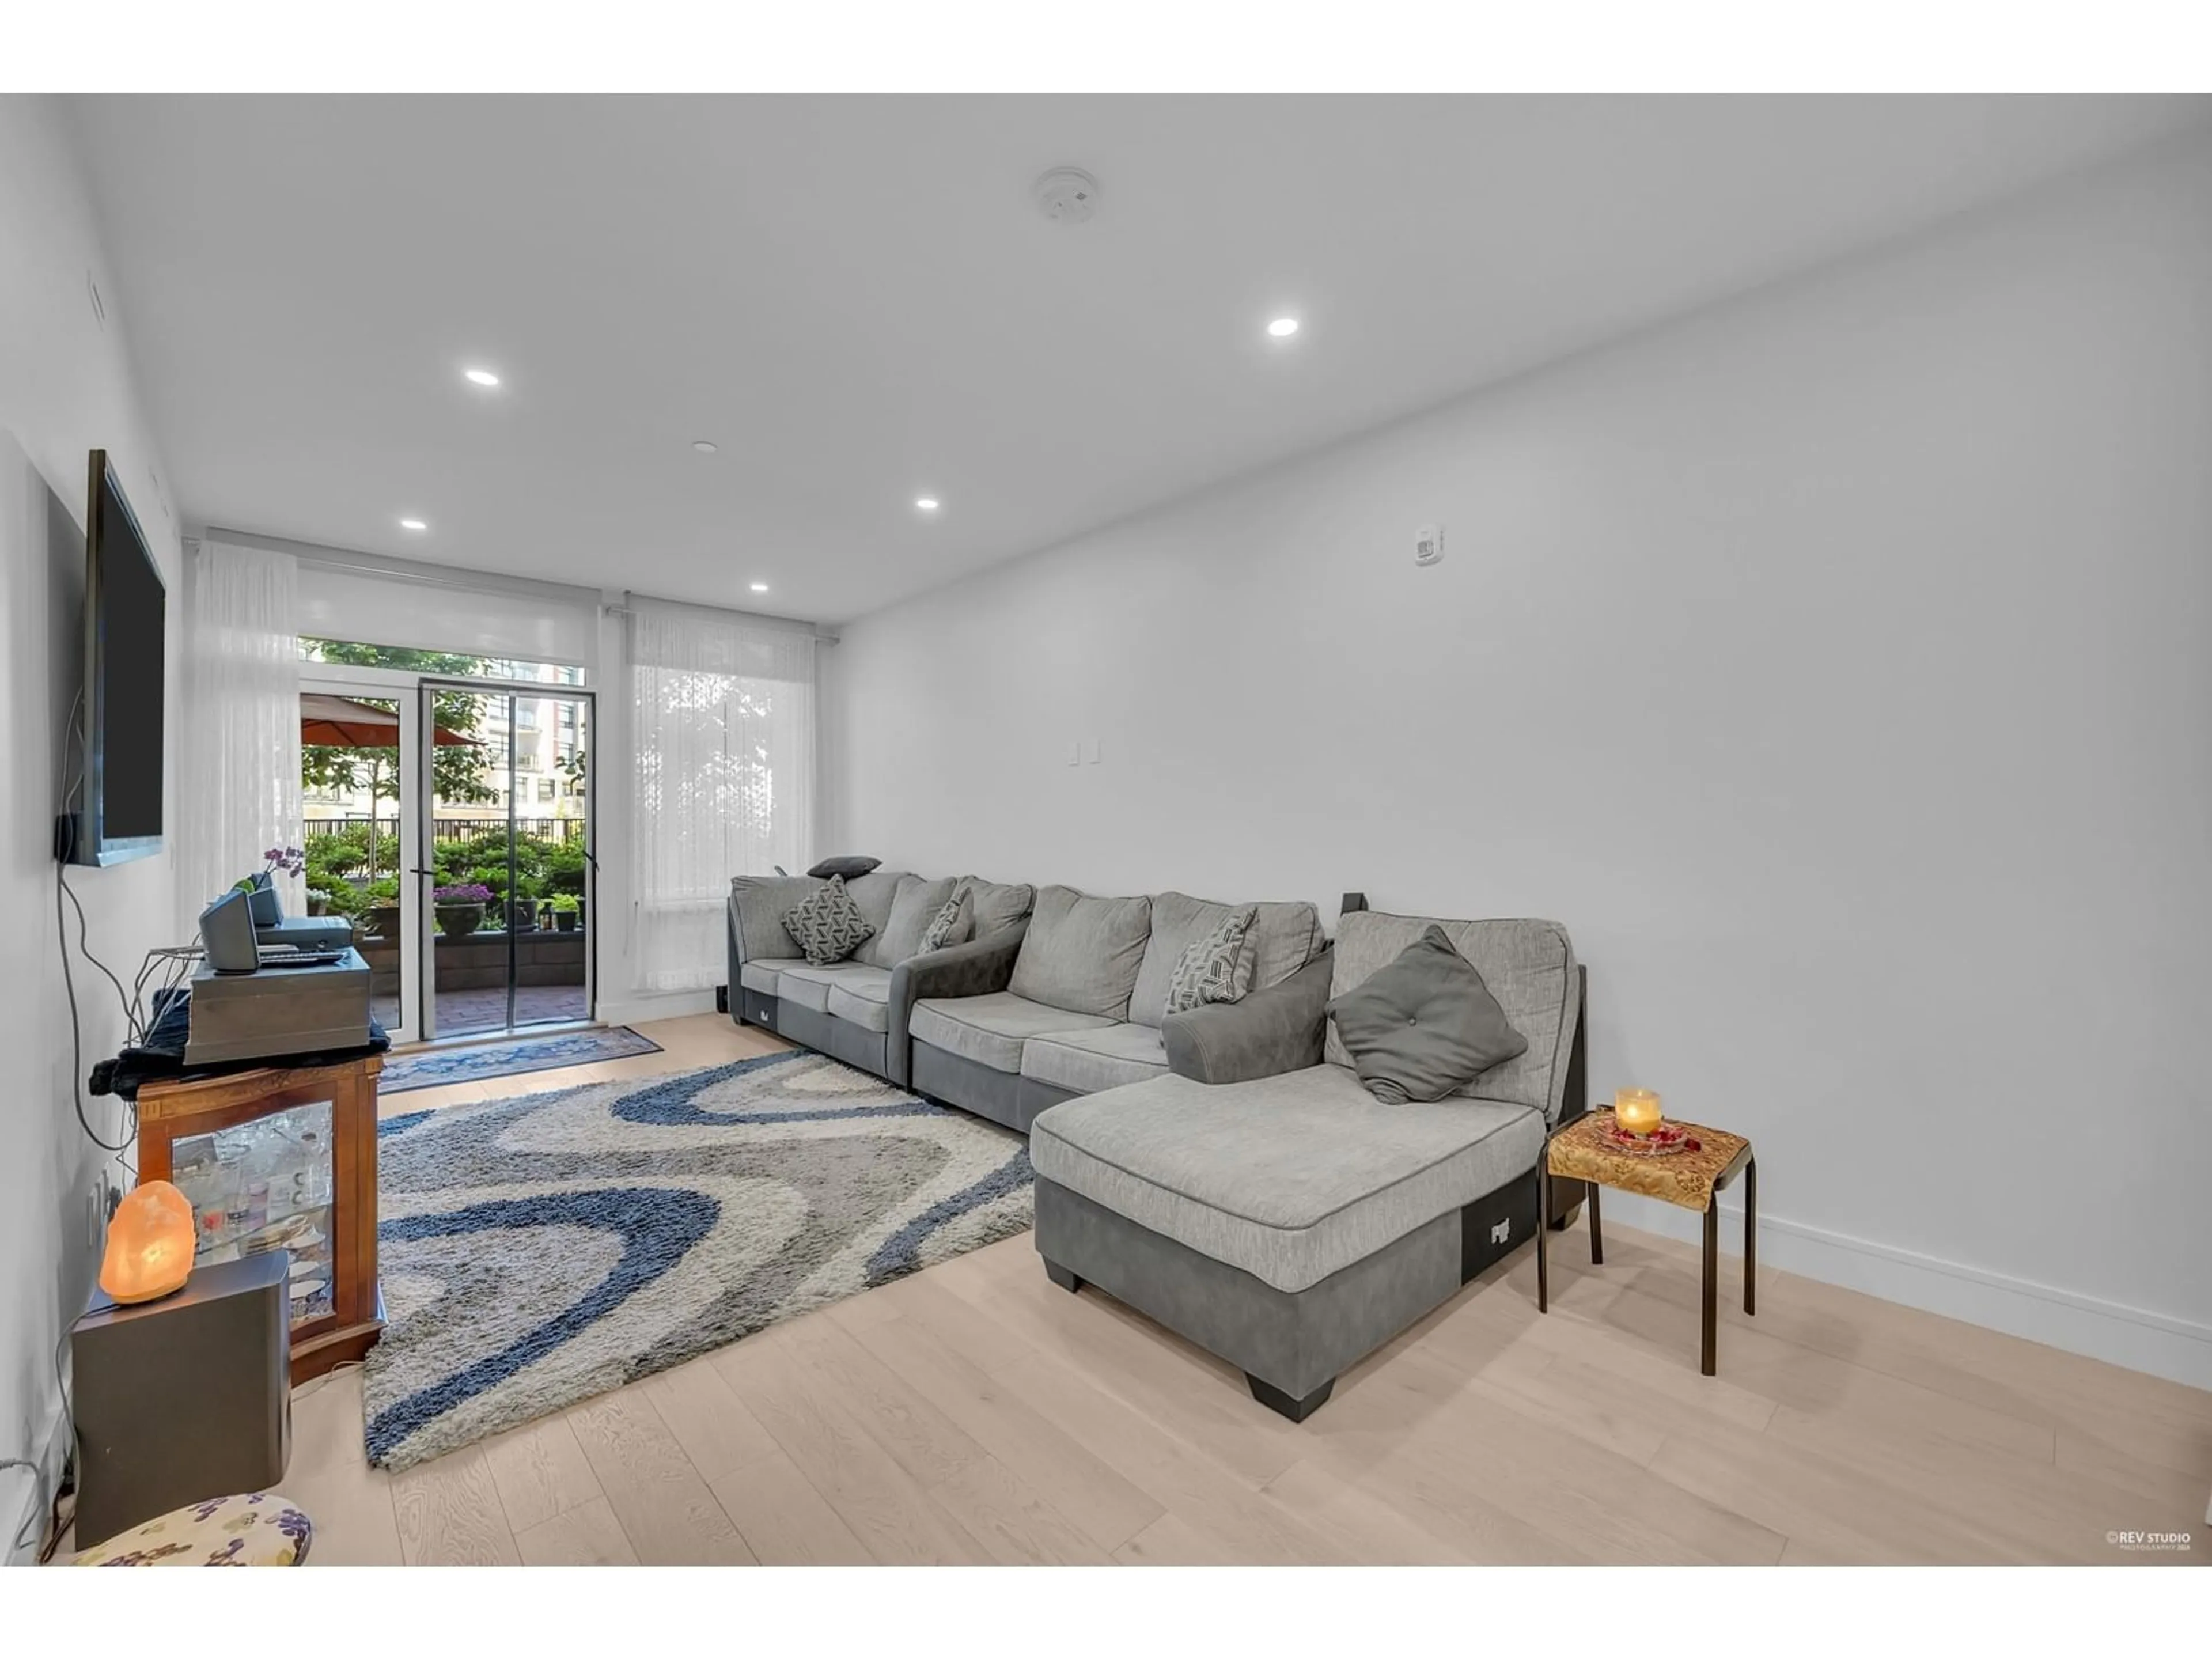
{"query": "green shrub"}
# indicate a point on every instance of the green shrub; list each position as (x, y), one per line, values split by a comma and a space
(564, 868)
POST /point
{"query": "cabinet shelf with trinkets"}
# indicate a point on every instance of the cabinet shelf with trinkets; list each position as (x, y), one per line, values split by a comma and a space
(281, 1159)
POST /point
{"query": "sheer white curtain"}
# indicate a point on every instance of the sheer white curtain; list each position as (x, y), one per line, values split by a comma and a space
(238, 774)
(723, 719)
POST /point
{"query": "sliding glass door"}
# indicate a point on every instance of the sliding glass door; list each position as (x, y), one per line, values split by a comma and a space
(357, 740)
(505, 894)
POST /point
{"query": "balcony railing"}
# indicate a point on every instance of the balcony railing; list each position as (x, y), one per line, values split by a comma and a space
(565, 830)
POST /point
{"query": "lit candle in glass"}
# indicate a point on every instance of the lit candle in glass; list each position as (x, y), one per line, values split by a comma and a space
(1637, 1110)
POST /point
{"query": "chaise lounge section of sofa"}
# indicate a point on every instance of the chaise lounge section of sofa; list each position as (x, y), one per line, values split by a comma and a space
(1285, 1220)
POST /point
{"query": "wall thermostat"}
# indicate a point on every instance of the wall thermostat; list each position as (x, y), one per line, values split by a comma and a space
(1429, 544)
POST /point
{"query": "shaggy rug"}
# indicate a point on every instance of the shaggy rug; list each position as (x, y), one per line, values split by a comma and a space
(426, 1068)
(538, 1251)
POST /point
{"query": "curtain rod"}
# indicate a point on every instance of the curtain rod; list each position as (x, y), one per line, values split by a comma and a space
(822, 636)
(465, 577)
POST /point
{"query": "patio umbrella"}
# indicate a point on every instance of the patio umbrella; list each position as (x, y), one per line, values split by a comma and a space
(332, 722)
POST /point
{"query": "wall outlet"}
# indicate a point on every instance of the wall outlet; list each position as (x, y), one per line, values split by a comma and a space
(1075, 752)
(1429, 544)
(1090, 751)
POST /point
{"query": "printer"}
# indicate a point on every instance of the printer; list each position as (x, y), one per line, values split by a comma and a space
(272, 927)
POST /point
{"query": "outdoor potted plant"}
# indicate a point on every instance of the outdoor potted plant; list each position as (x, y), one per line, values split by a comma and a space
(318, 902)
(461, 908)
(566, 911)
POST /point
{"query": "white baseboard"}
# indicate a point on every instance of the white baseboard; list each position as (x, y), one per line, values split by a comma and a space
(2137, 1337)
(635, 1006)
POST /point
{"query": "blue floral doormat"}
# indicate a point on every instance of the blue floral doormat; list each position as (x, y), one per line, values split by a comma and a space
(432, 1067)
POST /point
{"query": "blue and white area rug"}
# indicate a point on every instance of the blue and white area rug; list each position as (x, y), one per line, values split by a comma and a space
(538, 1251)
(479, 1061)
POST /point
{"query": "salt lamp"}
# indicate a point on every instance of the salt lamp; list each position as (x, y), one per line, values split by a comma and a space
(149, 1243)
(1637, 1110)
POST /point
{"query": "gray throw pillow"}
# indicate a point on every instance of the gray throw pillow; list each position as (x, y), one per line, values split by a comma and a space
(1215, 967)
(846, 867)
(1425, 1025)
(951, 925)
(828, 927)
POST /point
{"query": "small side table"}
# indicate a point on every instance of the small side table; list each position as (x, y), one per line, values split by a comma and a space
(1581, 1152)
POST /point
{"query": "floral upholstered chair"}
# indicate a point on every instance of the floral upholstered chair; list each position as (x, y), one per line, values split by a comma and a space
(253, 1529)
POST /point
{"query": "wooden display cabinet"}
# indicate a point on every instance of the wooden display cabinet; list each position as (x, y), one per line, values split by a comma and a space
(281, 1158)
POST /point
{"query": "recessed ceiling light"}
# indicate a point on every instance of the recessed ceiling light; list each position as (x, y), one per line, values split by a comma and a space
(927, 503)
(480, 377)
(413, 524)
(1283, 327)
(703, 446)
(760, 587)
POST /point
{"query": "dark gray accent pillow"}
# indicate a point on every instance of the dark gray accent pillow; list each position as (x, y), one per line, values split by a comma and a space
(827, 925)
(846, 867)
(1425, 1026)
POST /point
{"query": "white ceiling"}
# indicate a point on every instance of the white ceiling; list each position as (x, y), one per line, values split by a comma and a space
(853, 297)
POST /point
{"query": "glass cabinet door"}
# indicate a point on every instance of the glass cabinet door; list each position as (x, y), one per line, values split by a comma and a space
(266, 1185)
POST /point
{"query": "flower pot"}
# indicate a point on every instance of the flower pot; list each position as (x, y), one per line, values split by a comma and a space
(319, 904)
(522, 916)
(384, 921)
(460, 920)
(565, 921)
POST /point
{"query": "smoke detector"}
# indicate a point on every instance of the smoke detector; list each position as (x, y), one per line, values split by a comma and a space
(1067, 196)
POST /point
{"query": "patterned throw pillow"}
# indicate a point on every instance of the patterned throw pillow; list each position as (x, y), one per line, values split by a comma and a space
(1214, 967)
(951, 925)
(827, 925)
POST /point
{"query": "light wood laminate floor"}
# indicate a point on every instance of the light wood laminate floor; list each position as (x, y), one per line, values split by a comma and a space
(974, 1413)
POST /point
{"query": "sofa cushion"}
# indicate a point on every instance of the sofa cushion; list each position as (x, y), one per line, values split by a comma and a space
(875, 893)
(997, 904)
(953, 924)
(863, 997)
(760, 974)
(827, 925)
(991, 1030)
(805, 986)
(1082, 953)
(1282, 940)
(761, 902)
(1088, 1061)
(1423, 1027)
(912, 908)
(1291, 1178)
(1528, 966)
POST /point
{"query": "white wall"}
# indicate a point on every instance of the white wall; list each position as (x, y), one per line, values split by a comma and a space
(65, 389)
(1834, 664)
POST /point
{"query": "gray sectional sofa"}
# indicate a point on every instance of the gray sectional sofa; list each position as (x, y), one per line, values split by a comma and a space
(1223, 1170)
(1290, 1222)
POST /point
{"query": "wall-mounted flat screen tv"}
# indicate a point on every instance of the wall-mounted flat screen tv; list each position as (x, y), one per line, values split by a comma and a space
(120, 814)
